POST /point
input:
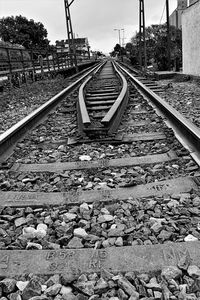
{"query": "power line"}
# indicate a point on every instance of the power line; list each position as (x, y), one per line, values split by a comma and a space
(163, 12)
(71, 3)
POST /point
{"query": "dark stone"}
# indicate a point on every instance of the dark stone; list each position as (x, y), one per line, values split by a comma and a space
(195, 287)
(14, 296)
(8, 285)
(184, 261)
(32, 289)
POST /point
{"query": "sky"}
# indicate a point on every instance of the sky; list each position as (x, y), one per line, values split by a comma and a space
(95, 19)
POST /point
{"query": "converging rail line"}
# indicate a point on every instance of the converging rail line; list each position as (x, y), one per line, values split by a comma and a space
(102, 101)
(100, 193)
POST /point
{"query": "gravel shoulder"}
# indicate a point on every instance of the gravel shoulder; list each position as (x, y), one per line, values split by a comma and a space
(18, 103)
(184, 97)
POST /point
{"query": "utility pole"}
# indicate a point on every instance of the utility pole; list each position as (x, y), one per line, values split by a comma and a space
(142, 37)
(168, 37)
(72, 50)
(123, 38)
(120, 42)
(119, 35)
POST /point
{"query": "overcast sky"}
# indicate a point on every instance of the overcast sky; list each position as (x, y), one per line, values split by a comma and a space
(95, 19)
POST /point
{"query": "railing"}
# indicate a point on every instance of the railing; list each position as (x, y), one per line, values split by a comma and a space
(17, 65)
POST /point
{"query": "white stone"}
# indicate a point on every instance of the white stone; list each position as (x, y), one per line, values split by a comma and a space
(102, 184)
(105, 218)
(20, 221)
(34, 246)
(29, 232)
(69, 217)
(40, 233)
(89, 185)
(48, 220)
(81, 179)
(85, 157)
(80, 232)
(105, 211)
(65, 290)
(198, 226)
(190, 238)
(21, 285)
(84, 206)
(119, 241)
(62, 148)
(113, 226)
(193, 271)
(44, 287)
(41, 226)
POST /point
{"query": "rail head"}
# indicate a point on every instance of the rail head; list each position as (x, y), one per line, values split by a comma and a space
(112, 111)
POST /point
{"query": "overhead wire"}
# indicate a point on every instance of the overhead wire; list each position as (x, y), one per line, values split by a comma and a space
(71, 3)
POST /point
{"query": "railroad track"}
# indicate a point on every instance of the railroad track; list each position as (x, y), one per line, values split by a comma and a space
(102, 102)
(115, 217)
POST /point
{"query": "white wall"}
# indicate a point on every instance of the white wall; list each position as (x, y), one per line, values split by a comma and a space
(191, 40)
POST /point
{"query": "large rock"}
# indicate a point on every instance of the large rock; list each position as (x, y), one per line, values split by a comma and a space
(154, 285)
(55, 279)
(32, 289)
(68, 217)
(105, 218)
(129, 289)
(80, 232)
(65, 290)
(14, 296)
(20, 221)
(8, 285)
(75, 243)
(164, 235)
(21, 285)
(53, 290)
(70, 296)
(193, 271)
(101, 286)
(190, 238)
(171, 272)
(87, 287)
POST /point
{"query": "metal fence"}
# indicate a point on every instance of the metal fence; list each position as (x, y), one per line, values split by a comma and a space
(20, 65)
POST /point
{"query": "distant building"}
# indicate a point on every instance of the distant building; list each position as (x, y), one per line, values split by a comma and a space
(81, 45)
(191, 39)
(176, 16)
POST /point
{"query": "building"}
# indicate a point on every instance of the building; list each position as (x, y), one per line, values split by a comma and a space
(175, 19)
(191, 39)
(81, 45)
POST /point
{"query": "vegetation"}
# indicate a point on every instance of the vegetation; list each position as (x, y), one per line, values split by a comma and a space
(20, 30)
(118, 50)
(156, 47)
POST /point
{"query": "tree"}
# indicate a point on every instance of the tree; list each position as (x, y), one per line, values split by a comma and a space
(117, 48)
(156, 45)
(20, 30)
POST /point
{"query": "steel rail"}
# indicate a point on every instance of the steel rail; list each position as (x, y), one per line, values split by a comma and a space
(111, 114)
(17, 131)
(84, 118)
(187, 133)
